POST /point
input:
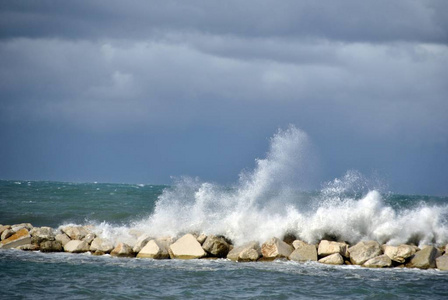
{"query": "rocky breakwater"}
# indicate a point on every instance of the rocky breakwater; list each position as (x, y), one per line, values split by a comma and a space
(80, 239)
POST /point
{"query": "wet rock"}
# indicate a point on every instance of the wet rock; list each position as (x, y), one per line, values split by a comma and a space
(20, 238)
(155, 249)
(304, 252)
(424, 259)
(276, 248)
(76, 246)
(399, 253)
(122, 250)
(141, 242)
(63, 238)
(330, 247)
(75, 232)
(41, 234)
(332, 259)
(382, 261)
(29, 247)
(201, 238)
(442, 263)
(216, 246)
(363, 251)
(298, 243)
(51, 246)
(100, 244)
(89, 238)
(248, 252)
(187, 247)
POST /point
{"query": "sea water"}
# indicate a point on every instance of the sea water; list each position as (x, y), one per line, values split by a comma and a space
(272, 200)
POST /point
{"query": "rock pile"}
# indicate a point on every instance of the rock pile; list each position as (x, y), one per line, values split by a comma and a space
(79, 239)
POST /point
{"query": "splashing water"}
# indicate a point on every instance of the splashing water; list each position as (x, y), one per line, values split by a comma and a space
(270, 201)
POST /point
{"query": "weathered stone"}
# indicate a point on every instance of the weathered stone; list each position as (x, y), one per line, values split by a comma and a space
(298, 243)
(18, 227)
(63, 238)
(248, 252)
(76, 246)
(442, 263)
(216, 246)
(75, 232)
(41, 234)
(154, 249)
(424, 259)
(29, 247)
(363, 251)
(51, 246)
(187, 247)
(303, 253)
(99, 244)
(382, 261)
(21, 237)
(332, 259)
(141, 242)
(98, 252)
(3, 228)
(201, 238)
(330, 247)
(398, 253)
(122, 250)
(89, 238)
(275, 248)
(6, 234)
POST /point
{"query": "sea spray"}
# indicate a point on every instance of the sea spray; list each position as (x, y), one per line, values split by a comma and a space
(271, 201)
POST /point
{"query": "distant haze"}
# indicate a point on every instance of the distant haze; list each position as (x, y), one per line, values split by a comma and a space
(139, 91)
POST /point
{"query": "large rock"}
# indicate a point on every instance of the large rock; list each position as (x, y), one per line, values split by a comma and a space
(382, 261)
(155, 249)
(89, 237)
(63, 238)
(399, 253)
(141, 242)
(201, 238)
(76, 246)
(187, 247)
(18, 227)
(276, 248)
(330, 247)
(29, 247)
(304, 252)
(41, 234)
(102, 245)
(75, 232)
(442, 263)
(7, 233)
(3, 228)
(51, 246)
(21, 237)
(424, 259)
(248, 252)
(332, 259)
(216, 246)
(363, 251)
(122, 250)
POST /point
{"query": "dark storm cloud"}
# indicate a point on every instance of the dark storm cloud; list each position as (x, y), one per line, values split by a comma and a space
(366, 79)
(348, 20)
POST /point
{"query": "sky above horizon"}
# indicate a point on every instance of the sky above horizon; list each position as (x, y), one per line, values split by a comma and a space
(140, 91)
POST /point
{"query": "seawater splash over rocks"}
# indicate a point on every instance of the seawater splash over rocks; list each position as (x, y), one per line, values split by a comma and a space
(368, 254)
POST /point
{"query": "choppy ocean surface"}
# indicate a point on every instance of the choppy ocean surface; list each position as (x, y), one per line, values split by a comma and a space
(269, 201)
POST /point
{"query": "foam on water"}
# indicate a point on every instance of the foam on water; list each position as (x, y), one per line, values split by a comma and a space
(269, 201)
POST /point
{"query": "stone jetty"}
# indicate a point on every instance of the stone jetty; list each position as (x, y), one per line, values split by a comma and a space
(82, 239)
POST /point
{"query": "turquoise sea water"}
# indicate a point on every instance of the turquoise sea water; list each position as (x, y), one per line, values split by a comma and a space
(38, 275)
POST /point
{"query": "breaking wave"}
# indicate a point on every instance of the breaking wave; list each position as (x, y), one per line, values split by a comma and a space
(272, 201)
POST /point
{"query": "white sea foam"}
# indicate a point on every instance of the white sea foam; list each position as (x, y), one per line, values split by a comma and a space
(270, 202)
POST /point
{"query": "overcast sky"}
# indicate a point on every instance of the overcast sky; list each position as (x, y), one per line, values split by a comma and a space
(138, 91)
